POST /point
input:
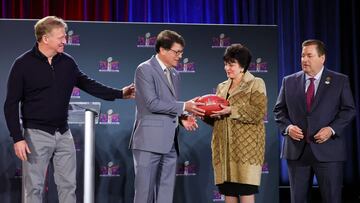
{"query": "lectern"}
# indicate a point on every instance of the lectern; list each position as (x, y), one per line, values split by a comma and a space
(87, 113)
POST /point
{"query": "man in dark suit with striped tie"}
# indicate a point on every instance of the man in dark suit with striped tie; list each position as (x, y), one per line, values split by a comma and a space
(313, 108)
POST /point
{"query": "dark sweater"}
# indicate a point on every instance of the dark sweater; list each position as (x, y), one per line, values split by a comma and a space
(44, 92)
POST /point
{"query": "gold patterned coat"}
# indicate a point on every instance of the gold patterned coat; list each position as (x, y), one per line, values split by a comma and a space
(238, 141)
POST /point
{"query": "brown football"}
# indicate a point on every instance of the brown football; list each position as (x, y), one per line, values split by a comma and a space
(212, 103)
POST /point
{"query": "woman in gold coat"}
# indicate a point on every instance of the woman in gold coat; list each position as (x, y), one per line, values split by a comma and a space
(238, 142)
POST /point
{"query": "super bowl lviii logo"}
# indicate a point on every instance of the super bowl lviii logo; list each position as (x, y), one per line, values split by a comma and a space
(109, 118)
(109, 65)
(110, 169)
(146, 41)
(185, 66)
(265, 168)
(72, 39)
(258, 66)
(186, 169)
(75, 94)
(18, 172)
(77, 143)
(221, 41)
(265, 119)
(217, 197)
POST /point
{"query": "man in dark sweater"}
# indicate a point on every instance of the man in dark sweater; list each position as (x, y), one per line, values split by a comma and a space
(41, 80)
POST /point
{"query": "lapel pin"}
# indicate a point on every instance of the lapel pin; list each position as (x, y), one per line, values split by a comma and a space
(327, 80)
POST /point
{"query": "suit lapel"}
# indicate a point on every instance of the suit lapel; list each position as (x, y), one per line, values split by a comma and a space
(321, 88)
(161, 73)
(300, 90)
(222, 92)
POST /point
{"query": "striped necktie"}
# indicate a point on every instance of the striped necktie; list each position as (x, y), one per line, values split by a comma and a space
(168, 76)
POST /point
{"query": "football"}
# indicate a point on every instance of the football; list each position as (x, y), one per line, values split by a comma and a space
(212, 103)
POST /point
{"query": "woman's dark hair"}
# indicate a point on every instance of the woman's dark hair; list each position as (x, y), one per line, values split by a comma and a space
(238, 53)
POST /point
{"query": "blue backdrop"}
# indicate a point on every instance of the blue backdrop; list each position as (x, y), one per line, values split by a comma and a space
(335, 22)
(110, 52)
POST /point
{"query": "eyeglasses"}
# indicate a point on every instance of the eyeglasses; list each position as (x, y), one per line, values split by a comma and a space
(177, 53)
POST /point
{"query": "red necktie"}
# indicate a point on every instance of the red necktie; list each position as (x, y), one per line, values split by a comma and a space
(310, 94)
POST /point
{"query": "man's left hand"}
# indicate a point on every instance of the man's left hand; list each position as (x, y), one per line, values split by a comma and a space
(323, 135)
(189, 122)
(129, 91)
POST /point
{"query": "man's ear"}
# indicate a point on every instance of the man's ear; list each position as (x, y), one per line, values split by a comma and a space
(44, 39)
(162, 51)
(323, 58)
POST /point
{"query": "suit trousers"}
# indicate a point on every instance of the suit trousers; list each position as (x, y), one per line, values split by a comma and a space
(301, 173)
(44, 147)
(154, 176)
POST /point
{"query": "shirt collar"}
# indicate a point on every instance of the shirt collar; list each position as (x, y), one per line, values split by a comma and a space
(160, 62)
(40, 55)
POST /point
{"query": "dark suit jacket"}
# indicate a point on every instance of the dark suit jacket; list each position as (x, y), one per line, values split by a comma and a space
(333, 106)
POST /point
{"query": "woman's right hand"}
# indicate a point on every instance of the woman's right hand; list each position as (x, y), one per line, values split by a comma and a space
(226, 110)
